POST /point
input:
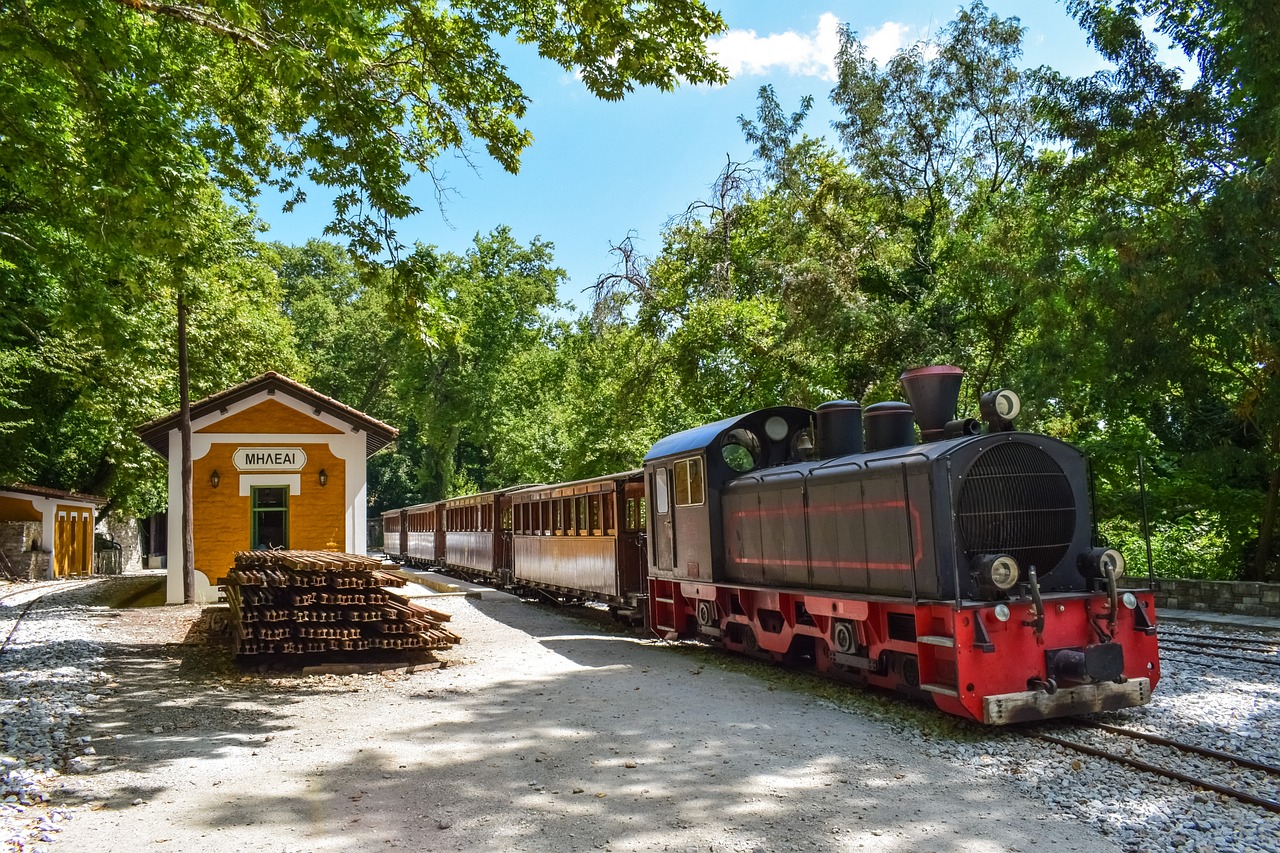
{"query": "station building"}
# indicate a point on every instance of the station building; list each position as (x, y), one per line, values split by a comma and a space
(46, 533)
(275, 465)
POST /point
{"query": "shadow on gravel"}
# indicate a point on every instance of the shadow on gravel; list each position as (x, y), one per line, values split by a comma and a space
(585, 739)
(580, 758)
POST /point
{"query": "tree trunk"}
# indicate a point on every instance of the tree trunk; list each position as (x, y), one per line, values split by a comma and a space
(1266, 530)
(188, 527)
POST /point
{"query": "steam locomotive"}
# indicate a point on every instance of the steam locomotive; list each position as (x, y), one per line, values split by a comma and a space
(964, 569)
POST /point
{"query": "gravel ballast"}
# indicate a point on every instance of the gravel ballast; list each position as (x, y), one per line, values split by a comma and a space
(546, 731)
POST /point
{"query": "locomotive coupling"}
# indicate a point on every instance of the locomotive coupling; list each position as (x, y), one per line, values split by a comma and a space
(1098, 663)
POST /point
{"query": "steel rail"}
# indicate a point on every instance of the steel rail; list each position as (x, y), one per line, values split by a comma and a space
(1234, 793)
(43, 588)
(1165, 632)
(1174, 646)
(1269, 769)
(1216, 643)
(1137, 763)
(16, 622)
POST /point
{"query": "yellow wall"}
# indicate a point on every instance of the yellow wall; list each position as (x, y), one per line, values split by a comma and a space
(271, 417)
(317, 515)
(17, 509)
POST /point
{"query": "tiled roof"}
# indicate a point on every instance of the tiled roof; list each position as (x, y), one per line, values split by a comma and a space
(59, 494)
(378, 435)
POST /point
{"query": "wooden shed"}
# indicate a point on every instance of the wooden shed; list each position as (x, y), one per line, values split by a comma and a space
(47, 533)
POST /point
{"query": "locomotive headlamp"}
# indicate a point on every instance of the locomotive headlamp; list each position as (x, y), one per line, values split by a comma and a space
(1129, 600)
(1001, 612)
(1003, 404)
(1099, 562)
(998, 571)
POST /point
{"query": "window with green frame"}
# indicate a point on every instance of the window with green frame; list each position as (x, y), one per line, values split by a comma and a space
(270, 517)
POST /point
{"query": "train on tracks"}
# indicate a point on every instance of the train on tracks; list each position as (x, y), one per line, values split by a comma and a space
(963, 567)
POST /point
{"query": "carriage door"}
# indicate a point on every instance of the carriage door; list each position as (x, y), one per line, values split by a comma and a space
(663, 526)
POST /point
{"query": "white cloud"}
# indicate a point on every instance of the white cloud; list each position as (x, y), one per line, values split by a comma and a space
(813, 54)
(886, 41)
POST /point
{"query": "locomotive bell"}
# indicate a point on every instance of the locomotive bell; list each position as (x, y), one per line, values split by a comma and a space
(933, 393)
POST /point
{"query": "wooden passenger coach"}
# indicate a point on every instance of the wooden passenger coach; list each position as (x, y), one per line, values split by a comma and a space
(582, 539)
(477, 534)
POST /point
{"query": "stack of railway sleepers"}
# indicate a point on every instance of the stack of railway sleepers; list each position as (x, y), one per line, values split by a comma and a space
(324, 606)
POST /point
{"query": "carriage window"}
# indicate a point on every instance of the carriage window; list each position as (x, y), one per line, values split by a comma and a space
(635, 514)
(610, 525)
(582, 516)
(595, 514)
(689, 482)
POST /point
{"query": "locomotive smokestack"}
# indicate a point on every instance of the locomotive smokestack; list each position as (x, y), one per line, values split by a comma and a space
(839, 428)
(933, 393)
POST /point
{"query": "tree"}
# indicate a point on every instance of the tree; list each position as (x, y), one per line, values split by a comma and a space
(456, 387)
(947, 137)
(351, 96)
(1170, 199)
(116, 116)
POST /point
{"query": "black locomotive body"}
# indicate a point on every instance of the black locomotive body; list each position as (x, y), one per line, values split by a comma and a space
(963, 568)
(910, 521)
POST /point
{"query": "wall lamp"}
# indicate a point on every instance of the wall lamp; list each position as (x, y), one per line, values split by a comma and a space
(324, 477)
(215, 478)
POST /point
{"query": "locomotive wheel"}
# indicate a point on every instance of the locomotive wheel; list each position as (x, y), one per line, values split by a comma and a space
(706, 613)
(846, 640)
(749, 644)
(911, 671)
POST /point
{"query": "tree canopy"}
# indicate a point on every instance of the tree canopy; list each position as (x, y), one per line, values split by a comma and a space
(1107, 245)
(134, 136)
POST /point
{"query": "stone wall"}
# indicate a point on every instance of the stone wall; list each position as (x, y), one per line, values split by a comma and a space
(1245, 598)
(16, 538)
(126, 534)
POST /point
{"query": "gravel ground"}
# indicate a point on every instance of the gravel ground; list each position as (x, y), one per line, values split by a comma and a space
(129, 729)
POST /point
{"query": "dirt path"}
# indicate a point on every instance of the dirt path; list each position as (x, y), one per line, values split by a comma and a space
(544, 733)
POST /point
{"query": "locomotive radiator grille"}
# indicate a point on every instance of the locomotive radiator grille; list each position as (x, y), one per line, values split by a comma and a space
(1016, 500)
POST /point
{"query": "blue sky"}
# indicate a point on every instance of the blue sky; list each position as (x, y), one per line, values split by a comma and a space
(598, 171)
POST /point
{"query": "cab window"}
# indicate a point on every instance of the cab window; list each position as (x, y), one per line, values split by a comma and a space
(660, 497)
(689, 486)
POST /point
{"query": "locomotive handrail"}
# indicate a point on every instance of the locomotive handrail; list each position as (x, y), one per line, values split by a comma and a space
(911, 538)
(1038, 622)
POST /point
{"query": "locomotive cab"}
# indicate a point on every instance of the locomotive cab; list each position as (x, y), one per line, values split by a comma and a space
(686, 472)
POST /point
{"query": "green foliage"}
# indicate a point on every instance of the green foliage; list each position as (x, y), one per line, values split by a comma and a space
(455, 388)
(1106, 245)
(1166, 210)
(354, 96)
(125, 125)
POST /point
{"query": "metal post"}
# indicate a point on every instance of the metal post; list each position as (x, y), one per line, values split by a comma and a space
(911, 539)
(1146, 524)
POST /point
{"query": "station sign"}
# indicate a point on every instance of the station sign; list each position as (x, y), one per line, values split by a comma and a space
(270, 459)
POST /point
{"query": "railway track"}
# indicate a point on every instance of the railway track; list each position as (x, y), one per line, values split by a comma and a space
(1116, 744)
(25, 597)
(1264, 652)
